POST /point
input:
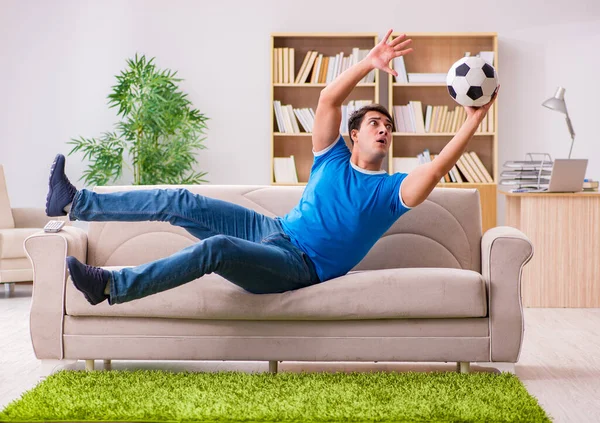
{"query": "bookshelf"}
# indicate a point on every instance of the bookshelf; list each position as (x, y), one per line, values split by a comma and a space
(435, 53)
(306, 94)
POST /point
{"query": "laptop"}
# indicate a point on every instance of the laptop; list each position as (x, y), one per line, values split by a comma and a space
(567, 176)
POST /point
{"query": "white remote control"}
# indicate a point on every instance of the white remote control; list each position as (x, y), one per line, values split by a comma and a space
(54, 226)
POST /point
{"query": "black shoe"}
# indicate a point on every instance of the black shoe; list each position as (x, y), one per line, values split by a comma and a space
(89, 279)
(60, 190)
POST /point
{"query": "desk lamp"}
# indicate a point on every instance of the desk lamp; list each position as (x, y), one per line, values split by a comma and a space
(558, 103)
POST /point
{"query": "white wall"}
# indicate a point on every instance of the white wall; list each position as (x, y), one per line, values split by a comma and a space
(59, 58)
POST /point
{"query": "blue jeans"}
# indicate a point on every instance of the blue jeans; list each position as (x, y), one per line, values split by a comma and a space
(243, 246)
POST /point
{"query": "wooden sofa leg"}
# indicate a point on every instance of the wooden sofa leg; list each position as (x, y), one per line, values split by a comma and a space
(89, 365)
(463, 367)
(272, 366)
(107, 365)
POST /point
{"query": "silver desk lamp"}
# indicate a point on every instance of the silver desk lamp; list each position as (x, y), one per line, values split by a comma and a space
(558, 103)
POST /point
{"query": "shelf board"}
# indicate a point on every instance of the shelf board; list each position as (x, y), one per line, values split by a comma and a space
(306, 85)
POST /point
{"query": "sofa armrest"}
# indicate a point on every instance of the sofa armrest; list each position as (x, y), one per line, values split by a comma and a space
(47, 252)
(504, 252)
(29, 217)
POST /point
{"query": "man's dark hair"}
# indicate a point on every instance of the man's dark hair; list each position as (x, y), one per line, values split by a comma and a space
(357, 117)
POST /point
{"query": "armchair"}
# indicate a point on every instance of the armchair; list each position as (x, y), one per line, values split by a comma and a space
(16, 224)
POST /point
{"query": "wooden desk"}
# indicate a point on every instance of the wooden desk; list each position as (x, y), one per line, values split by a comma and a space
(565, 231)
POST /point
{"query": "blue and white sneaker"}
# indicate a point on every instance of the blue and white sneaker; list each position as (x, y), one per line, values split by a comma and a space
(60, 190)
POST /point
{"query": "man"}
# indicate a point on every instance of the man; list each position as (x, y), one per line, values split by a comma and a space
(348, 203)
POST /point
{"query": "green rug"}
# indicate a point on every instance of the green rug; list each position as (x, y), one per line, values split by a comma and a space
(145, 395)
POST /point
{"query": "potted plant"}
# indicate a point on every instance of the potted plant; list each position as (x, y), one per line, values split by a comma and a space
(160, 130)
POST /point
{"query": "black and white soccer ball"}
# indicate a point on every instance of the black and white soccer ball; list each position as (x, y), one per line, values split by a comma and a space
(472, 81)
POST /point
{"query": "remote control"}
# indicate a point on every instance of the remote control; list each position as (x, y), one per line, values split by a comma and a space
(54, 226)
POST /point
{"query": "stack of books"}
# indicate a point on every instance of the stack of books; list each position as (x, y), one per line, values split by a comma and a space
(590, 185)
(529, 174)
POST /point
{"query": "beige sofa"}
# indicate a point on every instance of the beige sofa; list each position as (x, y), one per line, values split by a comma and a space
(432, 289)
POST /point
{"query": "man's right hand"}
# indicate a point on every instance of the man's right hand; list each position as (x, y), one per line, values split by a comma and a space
(382, 54)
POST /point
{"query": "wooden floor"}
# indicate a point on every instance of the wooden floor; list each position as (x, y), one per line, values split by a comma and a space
(559, 364)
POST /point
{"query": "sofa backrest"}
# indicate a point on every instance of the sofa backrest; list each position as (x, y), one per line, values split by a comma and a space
(443, 231)
(6, 217)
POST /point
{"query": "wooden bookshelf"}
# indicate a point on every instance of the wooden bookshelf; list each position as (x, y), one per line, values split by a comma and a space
(435, 53)
(306, 95)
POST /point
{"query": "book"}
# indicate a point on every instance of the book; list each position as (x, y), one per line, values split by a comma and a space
(486, 175)
(426, 78)
(303, 66)
(405, 164)
(284, 169)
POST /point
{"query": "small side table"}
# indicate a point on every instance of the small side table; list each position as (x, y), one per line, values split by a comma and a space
(565, 231)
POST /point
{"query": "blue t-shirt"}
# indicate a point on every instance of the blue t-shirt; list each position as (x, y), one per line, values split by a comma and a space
(343, 211)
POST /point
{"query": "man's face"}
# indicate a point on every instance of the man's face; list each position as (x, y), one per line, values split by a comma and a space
(375, 135)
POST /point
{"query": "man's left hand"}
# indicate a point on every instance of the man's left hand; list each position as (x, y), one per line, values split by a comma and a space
(381, 55)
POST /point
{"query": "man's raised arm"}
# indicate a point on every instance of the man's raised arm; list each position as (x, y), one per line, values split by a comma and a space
(328, 116)
(419, 183)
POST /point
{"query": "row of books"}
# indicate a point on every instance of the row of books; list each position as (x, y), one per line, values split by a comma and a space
(420, 78)
(410, 118)
(291, 120)
(316, 67)
(469, 167)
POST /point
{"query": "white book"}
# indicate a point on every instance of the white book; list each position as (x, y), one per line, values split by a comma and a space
(426, 78)
(418, 116)
(426, 155)
(310, 121)
(301, 120)
(292, 170)
(287, 119)
(488, 56)
(316, 70)
(405, 164)
(278, 116)
(330, 67)
(408, 126)
(340, 64)
(284, 170)
(411, 115)
(400, 67)
(295, 127)
(428, 118)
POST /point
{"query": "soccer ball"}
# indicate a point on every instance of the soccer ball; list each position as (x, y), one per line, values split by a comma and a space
(472, 81)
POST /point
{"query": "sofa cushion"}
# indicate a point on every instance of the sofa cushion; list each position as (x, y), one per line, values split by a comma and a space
(373, 294)
(11, 242)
